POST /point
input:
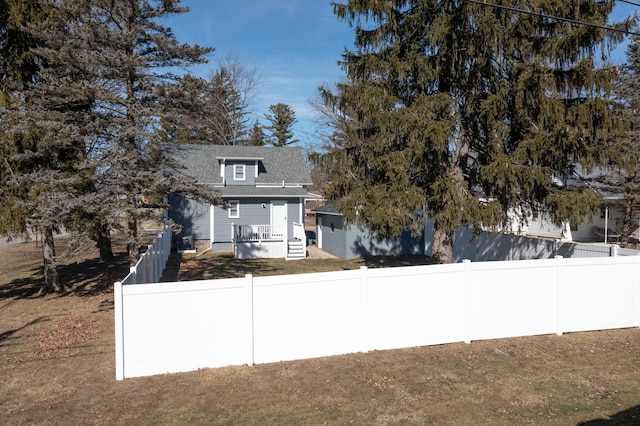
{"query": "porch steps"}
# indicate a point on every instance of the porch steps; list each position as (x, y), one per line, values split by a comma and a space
(296, 250)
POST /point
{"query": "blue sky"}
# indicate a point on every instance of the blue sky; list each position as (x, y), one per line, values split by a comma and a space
(293, 44)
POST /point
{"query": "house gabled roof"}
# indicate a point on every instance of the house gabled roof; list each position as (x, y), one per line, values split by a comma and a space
(329, 209)
(277, 164)
(601, 180)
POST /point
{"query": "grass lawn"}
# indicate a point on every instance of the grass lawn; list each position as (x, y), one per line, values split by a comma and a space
(57, 366)
(223, 265)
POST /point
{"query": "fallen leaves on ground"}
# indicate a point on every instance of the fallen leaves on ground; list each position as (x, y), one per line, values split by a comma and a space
(69, 332)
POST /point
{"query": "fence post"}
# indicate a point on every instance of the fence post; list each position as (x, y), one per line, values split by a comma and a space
(149, 259)
(249, 285)
(157, 253)
(364, 306)
(613, 250)
(559, 260)
(638, 293)
(119, 329)
(141, 276)
(134, 270)
(144, 267)
(152, 261)
(166, 246)
(468, 303)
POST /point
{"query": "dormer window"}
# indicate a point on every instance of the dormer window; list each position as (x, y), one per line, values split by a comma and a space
(239, 172)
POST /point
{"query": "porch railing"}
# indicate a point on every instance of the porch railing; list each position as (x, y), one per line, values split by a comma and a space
(245, 233)
(299, 234)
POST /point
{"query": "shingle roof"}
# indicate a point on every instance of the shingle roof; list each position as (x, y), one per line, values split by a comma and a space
(327, 209)
(280, 164)
(240, 191)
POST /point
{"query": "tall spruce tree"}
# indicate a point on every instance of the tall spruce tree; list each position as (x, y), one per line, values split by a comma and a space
(128, 57)
(256, 135)
(464, 112)
(17, 69)
(31, 169)
(233, 87)
(230, 112)
(214, 110)
(282, 117)
(198, 122)
(117, 57)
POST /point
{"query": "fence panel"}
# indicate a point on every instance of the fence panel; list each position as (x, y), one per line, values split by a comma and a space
(599, 293)
(175, 327)
(628, 252)
(307, 315)
(513, 298)
(410, 306)
(171, 327)
(150, 266)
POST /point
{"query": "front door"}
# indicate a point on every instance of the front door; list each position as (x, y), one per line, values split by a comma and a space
(278, 219)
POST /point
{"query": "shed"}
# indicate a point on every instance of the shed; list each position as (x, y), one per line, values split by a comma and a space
(348, 242)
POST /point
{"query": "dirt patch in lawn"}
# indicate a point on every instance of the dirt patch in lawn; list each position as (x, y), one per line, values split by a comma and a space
(58, 367)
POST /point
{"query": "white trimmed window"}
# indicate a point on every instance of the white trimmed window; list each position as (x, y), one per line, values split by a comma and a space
(234, 209)
(239, 171)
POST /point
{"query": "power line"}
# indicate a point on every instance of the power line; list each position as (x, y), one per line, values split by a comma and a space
(632, 3)
(557, 18)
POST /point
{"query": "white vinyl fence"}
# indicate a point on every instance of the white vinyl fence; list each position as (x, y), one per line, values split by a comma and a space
(486, 246)
(183, 326)
(151, 265)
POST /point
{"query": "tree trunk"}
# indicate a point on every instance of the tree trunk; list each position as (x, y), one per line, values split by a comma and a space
(51, 280)
(132, 245)
(443, 246)
(627, 221)
(103, 241)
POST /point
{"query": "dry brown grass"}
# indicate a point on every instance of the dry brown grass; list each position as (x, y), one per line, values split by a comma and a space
(57, 367)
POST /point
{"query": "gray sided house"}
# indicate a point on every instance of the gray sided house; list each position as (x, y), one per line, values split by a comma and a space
(263, 188)
(349, 242)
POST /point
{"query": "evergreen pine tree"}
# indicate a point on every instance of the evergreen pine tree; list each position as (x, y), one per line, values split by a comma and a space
(213, 110)
(197, 121)
(107, 63)
(128, 55)
(230, 112)
(256, 135)
(465, 112)
(31, 169)
(282, 117)
(233, 86)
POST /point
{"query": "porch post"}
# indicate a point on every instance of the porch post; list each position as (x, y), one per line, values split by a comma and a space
(233, 233)
(285, 235)
(212, 222)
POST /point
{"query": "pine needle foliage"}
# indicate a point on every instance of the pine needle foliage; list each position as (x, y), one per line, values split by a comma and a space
(464, 112)
(281, 118)
(213, 111)
(97, 105)
(256, 135)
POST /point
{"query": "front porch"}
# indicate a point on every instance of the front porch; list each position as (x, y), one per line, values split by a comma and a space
(268, 241)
